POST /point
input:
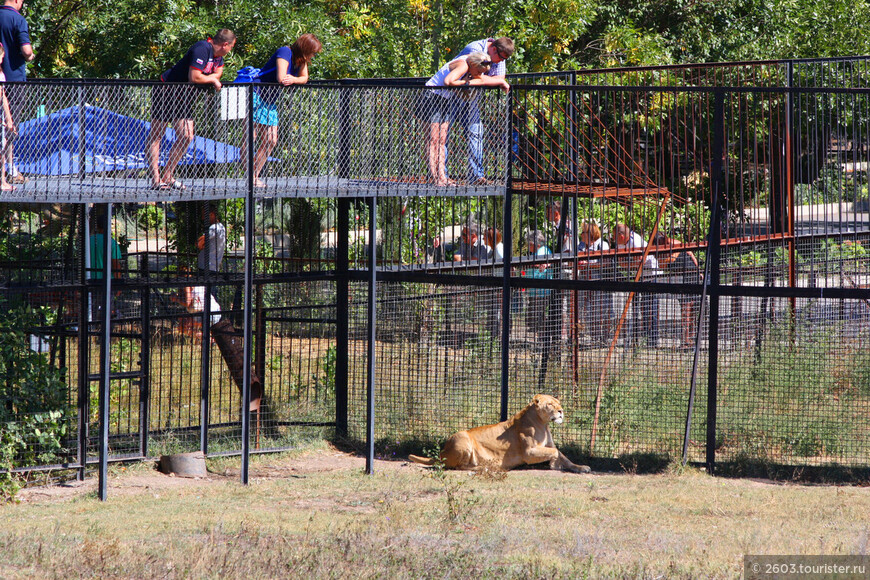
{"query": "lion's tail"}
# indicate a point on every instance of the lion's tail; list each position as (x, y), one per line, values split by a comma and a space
(422, 460)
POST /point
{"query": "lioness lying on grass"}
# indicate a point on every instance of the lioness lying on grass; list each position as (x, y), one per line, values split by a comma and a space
(523, 439)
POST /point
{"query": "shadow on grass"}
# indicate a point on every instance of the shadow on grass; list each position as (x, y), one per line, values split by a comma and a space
(398, 450)
(636, 463)
(387, 449)
(815, 474)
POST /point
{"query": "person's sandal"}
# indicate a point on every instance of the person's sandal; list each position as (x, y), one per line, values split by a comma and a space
(176, 185)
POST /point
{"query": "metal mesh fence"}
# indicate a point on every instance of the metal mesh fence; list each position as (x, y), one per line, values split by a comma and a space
(438, 370)
(93, 141)
(611, 321)
(792, 389)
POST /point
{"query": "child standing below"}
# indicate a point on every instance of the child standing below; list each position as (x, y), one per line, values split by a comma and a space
(8, 127)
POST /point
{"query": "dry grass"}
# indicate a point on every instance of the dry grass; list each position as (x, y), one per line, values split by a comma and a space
(318, 515)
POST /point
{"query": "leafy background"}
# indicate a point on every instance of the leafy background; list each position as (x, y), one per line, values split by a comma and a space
(398, 38)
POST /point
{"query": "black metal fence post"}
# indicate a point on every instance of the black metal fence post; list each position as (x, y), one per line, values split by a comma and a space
(145, 366)
(342, 295)
(249, 278)
(342, 365)
(205, 362)
(507, 228)
(789, 184)
(573, 175)
(717, 170)
(84, 337)
(372, 336)
(105, 354)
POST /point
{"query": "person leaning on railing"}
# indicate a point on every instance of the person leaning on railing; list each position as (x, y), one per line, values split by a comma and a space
(202, 65)
(287, 66)
(434, 107)
(15, 37)
(8, 126)
(467, 113)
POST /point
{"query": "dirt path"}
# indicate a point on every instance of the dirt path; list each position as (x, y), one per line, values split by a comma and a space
(140, 478)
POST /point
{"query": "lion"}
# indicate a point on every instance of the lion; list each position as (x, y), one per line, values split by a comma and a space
(523, 439)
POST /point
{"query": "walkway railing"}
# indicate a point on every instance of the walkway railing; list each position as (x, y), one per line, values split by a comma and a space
(88, 141)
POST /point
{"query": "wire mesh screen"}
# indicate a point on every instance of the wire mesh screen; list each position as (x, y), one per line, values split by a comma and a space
(38, 423)
(295, 361)
(622, 391)
(102, 141)
(599, 228)
(795, 392)
(438, 365)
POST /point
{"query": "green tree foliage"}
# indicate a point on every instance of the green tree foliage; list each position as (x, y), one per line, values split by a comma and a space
(33, 415)
(685, 31)
(400, 38)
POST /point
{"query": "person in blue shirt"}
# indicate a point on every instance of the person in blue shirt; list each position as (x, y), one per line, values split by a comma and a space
(15, 37)
(202, 65)
(287, 66)
(467, 113)
(98, 261)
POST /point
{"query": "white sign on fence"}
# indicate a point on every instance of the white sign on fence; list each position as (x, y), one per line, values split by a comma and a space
(234, 103)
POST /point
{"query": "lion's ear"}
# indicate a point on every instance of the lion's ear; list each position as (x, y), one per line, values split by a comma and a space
(537, 400)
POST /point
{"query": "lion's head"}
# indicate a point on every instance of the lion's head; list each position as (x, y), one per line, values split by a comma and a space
(549, 408)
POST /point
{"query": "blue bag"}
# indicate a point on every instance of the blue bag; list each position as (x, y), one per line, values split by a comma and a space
(250, 74)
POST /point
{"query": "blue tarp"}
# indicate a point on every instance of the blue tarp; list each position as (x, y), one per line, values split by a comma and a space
(50, 145)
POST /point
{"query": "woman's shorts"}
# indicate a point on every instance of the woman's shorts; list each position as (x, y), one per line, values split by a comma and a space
(265, 110)
(433, 108)
(172, 102)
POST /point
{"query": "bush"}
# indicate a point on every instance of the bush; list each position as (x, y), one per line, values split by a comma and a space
(33, 400)
(151, 217)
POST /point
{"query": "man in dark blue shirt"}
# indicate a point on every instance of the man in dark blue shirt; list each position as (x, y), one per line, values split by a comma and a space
(202, 65)
(15, 37)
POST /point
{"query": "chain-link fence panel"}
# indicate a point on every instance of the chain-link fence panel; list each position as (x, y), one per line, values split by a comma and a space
(438, 364)
(610, 319)
(91, 141)
(795, 391)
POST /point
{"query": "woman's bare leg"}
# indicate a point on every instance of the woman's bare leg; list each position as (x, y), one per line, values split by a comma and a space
(437, 140)
(152, 150)
(183, 137)
(268, 137)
